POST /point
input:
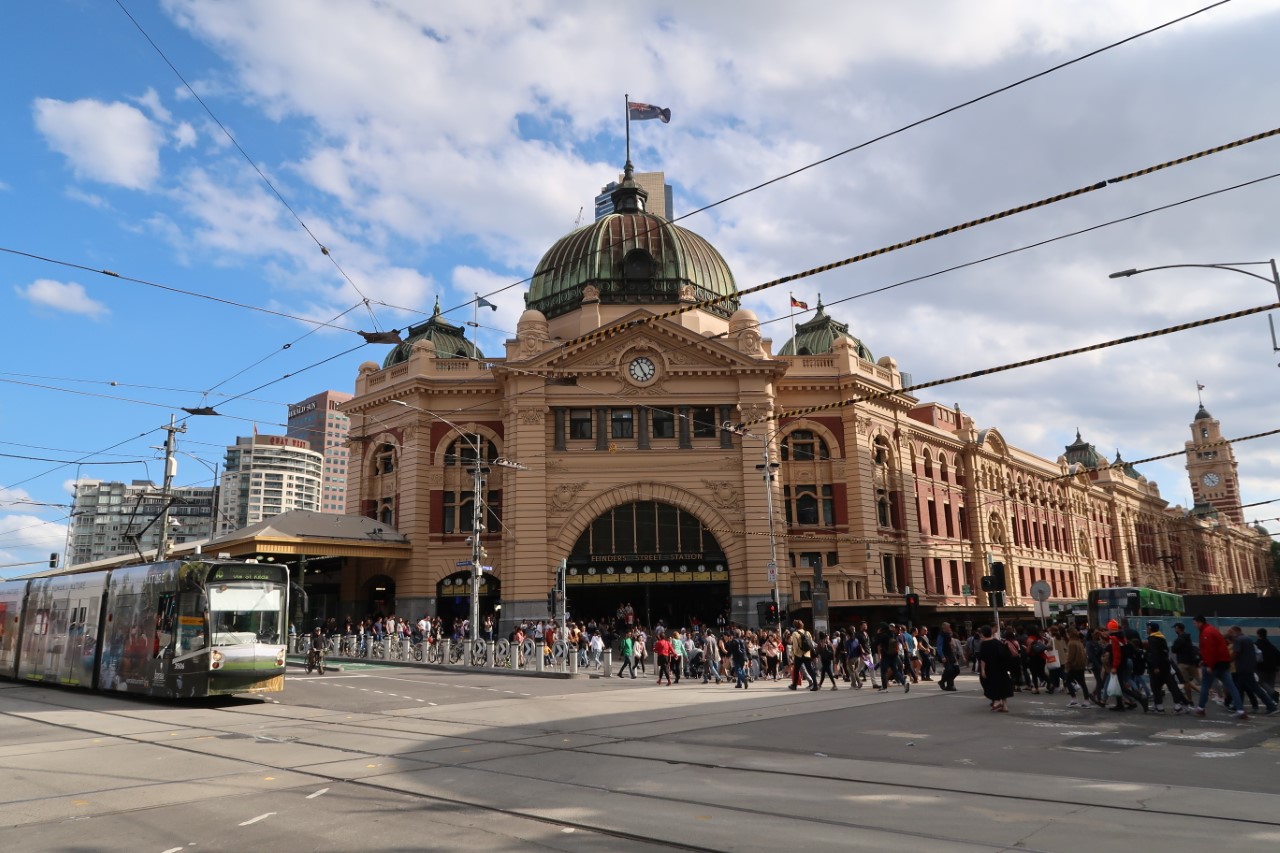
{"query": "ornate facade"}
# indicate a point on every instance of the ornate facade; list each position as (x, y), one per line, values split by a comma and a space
(632, 479)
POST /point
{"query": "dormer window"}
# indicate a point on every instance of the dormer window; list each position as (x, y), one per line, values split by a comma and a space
(638, 264)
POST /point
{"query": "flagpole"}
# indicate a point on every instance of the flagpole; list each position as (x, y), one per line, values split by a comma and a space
(626, 110)
(791, 304)
(475, 321)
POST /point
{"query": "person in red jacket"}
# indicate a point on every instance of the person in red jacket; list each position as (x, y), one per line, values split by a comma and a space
(1215, 663)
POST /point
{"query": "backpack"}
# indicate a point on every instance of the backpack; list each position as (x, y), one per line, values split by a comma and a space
(1038, 647)
(806, 642)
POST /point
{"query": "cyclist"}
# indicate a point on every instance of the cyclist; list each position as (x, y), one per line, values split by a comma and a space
(315, 656)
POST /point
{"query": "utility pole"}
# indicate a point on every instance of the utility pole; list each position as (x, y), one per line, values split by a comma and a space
(170, 470)
(479, 514)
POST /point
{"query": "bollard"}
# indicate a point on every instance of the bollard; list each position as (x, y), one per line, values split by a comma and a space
(386, 648)
(607, 661)
(467, 646)
(444, 651)
(573, 661)
(293, 644)
(541, 663)
(490, 659)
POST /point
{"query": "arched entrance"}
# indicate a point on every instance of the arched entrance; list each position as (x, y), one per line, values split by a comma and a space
(453, 596)
(655, 557)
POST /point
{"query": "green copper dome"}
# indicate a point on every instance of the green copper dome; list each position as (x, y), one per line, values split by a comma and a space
(631, 257)
(819, 335)
(450, 341)
(1085, 454)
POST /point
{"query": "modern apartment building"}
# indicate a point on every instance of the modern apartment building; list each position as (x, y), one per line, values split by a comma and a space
(265, 476)
(110, 519)
(317, 421)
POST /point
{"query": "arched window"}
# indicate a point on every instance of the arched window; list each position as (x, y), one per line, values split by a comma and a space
(928, 464)
(638, 264)
(385, 460)
(803, 446)
(462, 450)
(942, 468)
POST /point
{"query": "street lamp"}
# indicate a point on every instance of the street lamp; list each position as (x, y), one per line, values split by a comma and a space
(1231, 267)
(479, 471)
(767, 469)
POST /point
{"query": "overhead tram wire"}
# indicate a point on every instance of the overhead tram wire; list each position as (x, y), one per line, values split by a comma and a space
(551, 378)
(887, 135)
(1035, 245)
(81, 461)
(170, 288)
(324, 250)
(1219, 443)
(906, 389)
(616, 328)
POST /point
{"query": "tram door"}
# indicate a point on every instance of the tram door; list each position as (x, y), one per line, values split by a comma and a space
(77, 660)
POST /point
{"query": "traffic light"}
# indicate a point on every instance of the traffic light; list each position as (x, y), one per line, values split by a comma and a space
(53, 560)
(995, 581)
(551, 601)
(913, 599)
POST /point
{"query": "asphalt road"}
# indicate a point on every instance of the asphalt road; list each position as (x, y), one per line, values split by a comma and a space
(404, 759)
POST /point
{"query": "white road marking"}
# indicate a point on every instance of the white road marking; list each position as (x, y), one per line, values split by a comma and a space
(174, 849)
(258, 818)
(313, 796)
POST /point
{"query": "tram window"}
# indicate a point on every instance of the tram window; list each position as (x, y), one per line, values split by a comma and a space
(579, 423)
(664, 423)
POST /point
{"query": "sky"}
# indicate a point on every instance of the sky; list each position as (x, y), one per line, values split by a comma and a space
(437, 150)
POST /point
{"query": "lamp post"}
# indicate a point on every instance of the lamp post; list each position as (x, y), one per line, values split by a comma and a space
(1231, 267)
(767, 469)
(479, 471)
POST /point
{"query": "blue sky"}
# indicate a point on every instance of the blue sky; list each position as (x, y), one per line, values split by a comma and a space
(439, 149)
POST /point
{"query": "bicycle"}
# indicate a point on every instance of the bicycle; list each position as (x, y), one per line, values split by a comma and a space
(315, 659)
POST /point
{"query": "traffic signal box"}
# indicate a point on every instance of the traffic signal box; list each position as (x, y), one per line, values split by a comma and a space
(995, 581)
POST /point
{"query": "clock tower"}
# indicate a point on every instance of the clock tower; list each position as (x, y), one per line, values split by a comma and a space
(1211, 466)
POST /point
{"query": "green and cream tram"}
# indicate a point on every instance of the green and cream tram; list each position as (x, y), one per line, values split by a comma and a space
(174, 629)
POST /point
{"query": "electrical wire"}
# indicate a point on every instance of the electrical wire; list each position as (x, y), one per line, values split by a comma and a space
(324, 250)
(887, 135)
(169, 288)
(617, 328)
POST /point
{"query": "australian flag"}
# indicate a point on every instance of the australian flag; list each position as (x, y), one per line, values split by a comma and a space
(641, 112)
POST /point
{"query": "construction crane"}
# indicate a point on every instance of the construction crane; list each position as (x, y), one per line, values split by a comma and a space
(578, 221)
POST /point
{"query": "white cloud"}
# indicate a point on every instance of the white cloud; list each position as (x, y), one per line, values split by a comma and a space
(151, 100)
(184, 136)
(113, 143)
(62, 296)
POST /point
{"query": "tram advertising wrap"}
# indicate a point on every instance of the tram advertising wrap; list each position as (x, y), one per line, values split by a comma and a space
(172, 629)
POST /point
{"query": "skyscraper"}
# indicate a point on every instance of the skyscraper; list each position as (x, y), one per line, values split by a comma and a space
(653, 183)
(317, 421)
(265, 476)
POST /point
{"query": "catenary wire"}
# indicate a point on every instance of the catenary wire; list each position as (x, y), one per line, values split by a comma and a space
(324, 250)
(914, 124)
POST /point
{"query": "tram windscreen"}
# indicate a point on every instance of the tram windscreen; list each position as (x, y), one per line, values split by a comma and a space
(245, 613)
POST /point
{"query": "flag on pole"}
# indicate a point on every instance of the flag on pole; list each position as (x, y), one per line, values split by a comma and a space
(481, 302)
(796, 303)
(642, 112)
(1199, 387)
(255, 429)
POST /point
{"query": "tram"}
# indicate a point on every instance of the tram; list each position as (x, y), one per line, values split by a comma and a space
(1120, 603)
(176, 629)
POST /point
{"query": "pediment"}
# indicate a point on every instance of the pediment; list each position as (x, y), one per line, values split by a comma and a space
(677, 350)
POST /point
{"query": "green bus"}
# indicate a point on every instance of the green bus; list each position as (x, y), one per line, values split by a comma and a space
(1121, 602)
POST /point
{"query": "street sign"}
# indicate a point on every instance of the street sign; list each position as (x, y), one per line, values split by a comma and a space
(486, 568)
(1041, 609)
(966, 590)
(462, 563)
(773, 571)
(1040, 590)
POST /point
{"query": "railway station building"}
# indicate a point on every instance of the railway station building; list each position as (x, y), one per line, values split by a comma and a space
(676, 460)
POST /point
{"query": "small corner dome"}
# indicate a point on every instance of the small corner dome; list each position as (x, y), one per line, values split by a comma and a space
(368, 367)
(743, 319)
(531, 320)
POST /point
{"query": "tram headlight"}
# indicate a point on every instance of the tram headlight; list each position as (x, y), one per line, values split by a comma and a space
(216, 660)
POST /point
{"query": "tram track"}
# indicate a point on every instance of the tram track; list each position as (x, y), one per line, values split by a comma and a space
(769, 776)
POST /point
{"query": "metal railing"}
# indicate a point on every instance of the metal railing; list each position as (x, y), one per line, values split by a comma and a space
(527, 656)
